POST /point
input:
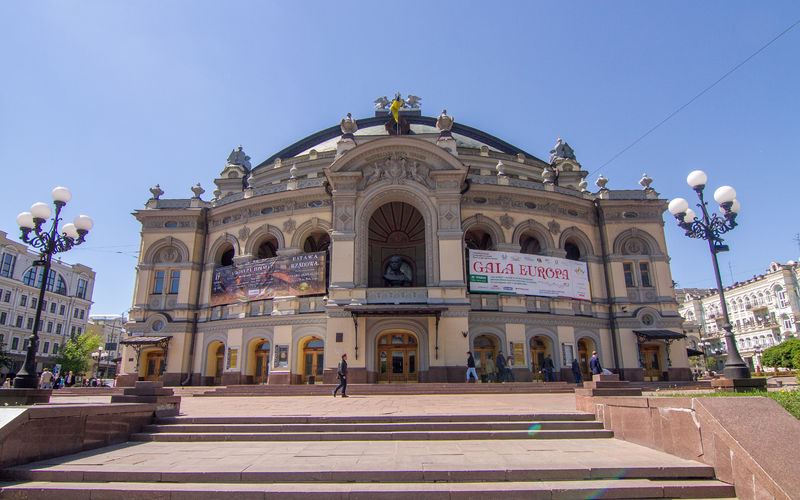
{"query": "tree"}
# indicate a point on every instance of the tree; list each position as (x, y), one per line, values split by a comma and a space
(784, 355)
(6, 361)
(75, 354)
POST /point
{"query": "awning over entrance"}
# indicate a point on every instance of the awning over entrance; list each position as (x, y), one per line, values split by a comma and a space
(693, 352)
(139, 343)
(357, 310)
(659, 334)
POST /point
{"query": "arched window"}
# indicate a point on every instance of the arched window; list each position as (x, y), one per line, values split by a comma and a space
(572, 250)
(478, 239)
(29, 278)
(530, 245)
(267, 249)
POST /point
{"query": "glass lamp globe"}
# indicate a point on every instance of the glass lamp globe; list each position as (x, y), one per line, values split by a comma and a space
(70, 231)
(724, 194)
(25, 219)
(40, 210)
(690, 216)
(83, 222)
(678, 206)
(736, 206)
(61, 194)
(696, 178)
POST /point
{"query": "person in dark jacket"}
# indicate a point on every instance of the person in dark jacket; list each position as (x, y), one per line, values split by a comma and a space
(576, 371)
(594, 364)
(501, 367)
(549, 368)
(342, 373)
(471, 366)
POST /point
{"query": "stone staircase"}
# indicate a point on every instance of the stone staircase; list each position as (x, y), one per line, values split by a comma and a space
(547, 455)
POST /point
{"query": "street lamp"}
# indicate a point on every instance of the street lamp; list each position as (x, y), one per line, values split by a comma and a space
(49, 243)
(98, 356)
(710, 228)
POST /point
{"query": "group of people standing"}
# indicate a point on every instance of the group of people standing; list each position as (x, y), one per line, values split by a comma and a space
(500, 370)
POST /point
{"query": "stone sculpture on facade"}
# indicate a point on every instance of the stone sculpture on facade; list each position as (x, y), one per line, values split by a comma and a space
(396, 170)
(156, 191)
(197, 190)
(413, 102)
(444, 123)
(382, 102)
(500, 168)
(549, 175)
(562, 151)
(398, 272)
(348, 126)
(645, 182)
(238, 157)
(601, 182)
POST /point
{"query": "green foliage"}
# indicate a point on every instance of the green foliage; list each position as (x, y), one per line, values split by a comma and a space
(76, 353)
(784, 355)
(789, 400)
(6, 361)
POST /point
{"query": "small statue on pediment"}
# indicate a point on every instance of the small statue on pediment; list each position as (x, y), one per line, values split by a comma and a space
(398, 272)
(156, 191)
(445, 122)
(238, 157)
(348, 126)
(562, 151)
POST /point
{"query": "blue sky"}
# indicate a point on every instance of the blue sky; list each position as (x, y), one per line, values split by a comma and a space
(109, 98)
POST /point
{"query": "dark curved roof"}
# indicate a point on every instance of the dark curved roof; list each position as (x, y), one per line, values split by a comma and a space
(331, 132)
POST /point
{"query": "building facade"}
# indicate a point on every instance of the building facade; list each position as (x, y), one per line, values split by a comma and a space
(380, 199)
(763, 312)
(111, 329)
(66, 311)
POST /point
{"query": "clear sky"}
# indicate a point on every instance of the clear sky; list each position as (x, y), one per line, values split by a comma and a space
(109, 98)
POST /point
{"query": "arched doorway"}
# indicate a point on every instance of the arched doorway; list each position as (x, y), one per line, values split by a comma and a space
(397, 357)
(651, 362)
(396, 246)
(539, 351)
(313, 352)
(484, 347)
(154, 364)
(215, 359)
(262, 362)
(585, 348)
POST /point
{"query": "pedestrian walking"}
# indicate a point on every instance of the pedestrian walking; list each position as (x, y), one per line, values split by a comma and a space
(501, 367)
(490, 369)
(69, 380)
(471, 367)
(341, 371)
(509, 372)
(46, 379)
(576, 371)
(549, 368)
(594, 364)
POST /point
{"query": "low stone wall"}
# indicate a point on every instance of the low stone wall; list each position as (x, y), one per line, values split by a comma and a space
(750, 441)
(39, 432)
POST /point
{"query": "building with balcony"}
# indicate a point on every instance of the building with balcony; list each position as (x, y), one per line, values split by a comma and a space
(111, 329)
(68, 298)
(763, 312)
(395, 211)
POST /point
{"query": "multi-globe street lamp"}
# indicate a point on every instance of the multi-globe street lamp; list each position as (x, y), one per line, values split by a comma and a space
(48, 242)
(710, 228)
(99, 355)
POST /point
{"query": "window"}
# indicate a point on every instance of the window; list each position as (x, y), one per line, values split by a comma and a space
(7, 265)
(14, 343)
(55, 348)
(44, 306)
(79, 330)
(61, 310)
(58, 328)
(81, 292)
(23, 300)
(82, 313)
(3, 318)
(787, 323)
(49, 327)
(7, 296)
(19, 322)
(46, 347)
(72, 331)
(174, 281)
(630, 280)
(158, 281)
(34, 301)
(30, 324)
(25, 344)
(782, 299)
(29, 278)
(61, 286)
(644, 273)
(75, 313)
(52, 307)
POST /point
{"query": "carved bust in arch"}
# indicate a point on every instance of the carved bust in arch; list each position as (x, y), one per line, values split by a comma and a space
(398, 272)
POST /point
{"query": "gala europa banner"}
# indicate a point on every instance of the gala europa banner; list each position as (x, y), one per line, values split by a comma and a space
(283, 276)
(524, 274)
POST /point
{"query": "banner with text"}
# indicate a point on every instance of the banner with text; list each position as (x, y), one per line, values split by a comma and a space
(524, 274)
(283, 276)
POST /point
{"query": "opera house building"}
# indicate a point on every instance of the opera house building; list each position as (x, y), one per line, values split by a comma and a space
(404, 243)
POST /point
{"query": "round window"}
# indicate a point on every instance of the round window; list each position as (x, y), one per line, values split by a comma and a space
(479, 200)
(647, 319)
(158, 325)
(265, 211)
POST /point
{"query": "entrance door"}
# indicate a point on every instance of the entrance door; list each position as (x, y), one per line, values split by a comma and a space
(538, 353)
(313, 361)
(584, 355)
(484, 348)
(218, 364)
(154, 365)
(262, 363)
(397, 358)
(652, 363)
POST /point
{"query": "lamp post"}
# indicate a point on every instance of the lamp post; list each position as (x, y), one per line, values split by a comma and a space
(99, 355)
(710, 228)
(48, 242)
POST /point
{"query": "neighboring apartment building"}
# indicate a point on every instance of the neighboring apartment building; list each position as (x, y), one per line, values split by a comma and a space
(111, 328)
(763, 312)
(65, 312)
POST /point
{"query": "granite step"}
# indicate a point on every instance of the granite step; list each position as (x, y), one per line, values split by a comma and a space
(612, 488)
(305, 419)
(527, 426)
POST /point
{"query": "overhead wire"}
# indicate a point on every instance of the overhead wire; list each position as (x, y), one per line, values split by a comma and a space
(690, 101)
